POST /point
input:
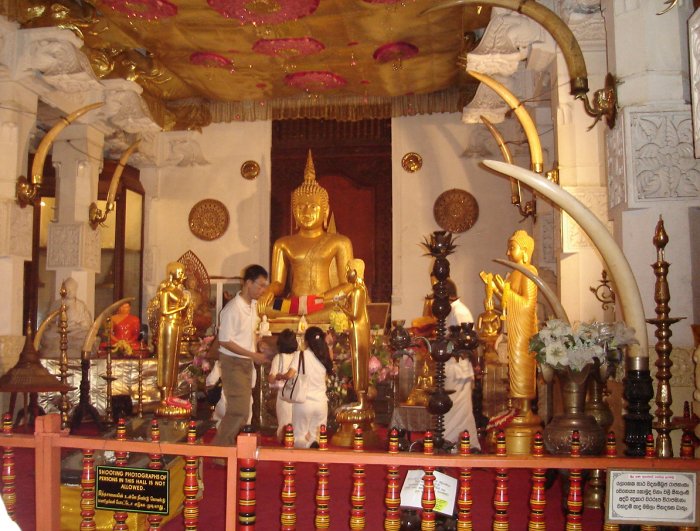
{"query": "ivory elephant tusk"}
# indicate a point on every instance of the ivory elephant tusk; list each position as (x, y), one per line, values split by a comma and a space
(43, 149)
(92, 333)
(528, 125)
(551, 297)
(620, 270)
(42, 327)
(556, 27)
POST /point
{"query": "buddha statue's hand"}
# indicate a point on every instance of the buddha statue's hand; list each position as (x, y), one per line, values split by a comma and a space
(265, 302)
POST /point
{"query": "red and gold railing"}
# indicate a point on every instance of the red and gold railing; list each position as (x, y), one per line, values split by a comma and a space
(240, 504)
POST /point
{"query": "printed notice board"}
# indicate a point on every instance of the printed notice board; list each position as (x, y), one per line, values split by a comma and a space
(445, 491)
(652, 497)
(135, 490)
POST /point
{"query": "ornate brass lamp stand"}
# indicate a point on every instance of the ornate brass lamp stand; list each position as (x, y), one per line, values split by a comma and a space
(663, 425)
(107, 377)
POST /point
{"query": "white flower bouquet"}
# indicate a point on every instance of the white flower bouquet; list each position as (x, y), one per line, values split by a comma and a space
(561, 345)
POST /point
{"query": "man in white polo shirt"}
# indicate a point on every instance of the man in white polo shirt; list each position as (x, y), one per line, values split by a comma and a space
(238, 351)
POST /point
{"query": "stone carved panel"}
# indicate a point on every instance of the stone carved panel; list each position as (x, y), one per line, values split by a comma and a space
(15, 229)
(547, 236)
(73, 245)
(595, 199)
(485, 103)
(659, 149)
(584, 18)
(615, 162)
(694, 46)
(124, 108)
(505, 43)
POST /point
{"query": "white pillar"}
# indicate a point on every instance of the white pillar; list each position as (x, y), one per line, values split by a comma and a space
(581, 156)
(73, 248)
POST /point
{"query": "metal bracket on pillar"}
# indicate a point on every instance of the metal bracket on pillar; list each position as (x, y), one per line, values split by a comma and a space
(96, 216)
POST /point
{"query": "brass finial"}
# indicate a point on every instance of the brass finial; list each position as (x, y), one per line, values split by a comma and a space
(309, 171)
(660, 239)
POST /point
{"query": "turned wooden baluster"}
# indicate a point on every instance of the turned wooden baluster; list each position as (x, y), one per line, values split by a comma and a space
(87, 492)
(359, 490)
(687, 452)
(538, 500)
(428, 501)
(288, 517)
(392, 497)
(247, 478)
(190, 512)
(649, 448)
(611, 452)
(120, 459)
(500, 496)
(322, 519)
(464, 497)
(9, 496)
(156, 463)
(574, 501)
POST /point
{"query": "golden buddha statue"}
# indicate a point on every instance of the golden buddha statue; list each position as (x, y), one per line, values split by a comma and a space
(519, 305)
(355, 308)
(358, 414)
(173, 300)
(309, 255)
(489, 323)
(424, 385)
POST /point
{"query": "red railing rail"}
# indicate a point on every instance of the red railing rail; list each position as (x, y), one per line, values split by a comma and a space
(240, 503)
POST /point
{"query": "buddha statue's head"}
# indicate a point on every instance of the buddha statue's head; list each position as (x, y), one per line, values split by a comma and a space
(520, 247)
(175, 271)
(355, 269)
(310, 204)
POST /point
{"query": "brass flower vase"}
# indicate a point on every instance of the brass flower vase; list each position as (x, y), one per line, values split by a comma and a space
(557, 434)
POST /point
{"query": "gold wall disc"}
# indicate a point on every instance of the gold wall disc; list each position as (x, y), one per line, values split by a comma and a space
(250, 169)
(208, 219)
(456, 210)
(412, 162)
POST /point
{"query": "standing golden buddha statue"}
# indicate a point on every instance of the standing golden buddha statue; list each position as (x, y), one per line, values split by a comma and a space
(519, 306)
(173, 301)
(307, 256)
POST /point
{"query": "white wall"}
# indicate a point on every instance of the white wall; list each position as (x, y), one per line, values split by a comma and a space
(441, 140)
(172, 191)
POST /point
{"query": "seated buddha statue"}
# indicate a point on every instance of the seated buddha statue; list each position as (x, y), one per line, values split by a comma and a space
(126, 326)
(307, 257)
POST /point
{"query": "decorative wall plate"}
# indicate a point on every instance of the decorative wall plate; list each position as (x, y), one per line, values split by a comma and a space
(412, 162)
(456, 210)
(250, 169)
(208, 219)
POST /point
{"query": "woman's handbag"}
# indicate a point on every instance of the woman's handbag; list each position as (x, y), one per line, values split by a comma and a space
(294, 390)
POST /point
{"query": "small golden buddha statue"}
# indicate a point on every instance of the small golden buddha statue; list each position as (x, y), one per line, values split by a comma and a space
(173, 300)
(309, 255)
(489, 323)
(420, 394)
(519, 304)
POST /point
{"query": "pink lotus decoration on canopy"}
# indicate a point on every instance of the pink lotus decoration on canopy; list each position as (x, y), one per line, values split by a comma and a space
(211, 59)
(145, 9)
(264, 11)
(314, 80)
(395, 51)
(291, 47)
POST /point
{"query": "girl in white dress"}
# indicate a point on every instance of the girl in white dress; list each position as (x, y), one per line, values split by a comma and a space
(286, 347)
(308, 416)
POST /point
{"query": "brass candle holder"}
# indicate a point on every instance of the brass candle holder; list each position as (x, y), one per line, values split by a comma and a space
(63, 358)
(107, 377)
(664, 424)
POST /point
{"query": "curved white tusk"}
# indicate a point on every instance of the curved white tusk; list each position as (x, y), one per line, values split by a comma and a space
(551, 297)
(42, 327)
(619, 267)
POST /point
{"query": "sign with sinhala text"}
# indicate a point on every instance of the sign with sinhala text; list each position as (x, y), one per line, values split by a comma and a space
(653, 497)
(134, 490)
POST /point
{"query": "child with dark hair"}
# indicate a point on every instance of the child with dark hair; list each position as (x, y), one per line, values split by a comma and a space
(286, 347)
(308, 416)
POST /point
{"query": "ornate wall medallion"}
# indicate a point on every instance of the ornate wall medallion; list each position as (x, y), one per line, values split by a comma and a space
(208, 219)
(456, 210)
(250, 169)
(412, 162)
